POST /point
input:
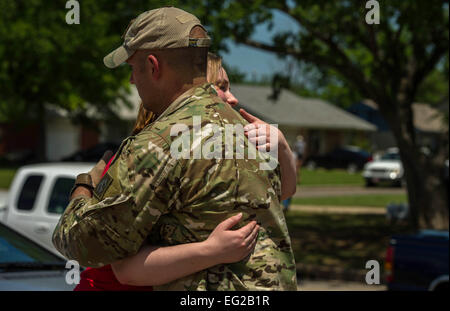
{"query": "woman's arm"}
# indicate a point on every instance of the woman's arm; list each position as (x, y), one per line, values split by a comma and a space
(285, 156)
(155, 265)
(288, 168)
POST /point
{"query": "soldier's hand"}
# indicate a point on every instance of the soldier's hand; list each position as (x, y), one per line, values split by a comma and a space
(97, 171)
(227, 246)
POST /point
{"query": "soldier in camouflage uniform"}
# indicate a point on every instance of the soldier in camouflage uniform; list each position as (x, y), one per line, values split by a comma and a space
(150, 196)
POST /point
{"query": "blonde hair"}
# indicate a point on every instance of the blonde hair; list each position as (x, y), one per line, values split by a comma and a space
(144, 118)
(213, 68)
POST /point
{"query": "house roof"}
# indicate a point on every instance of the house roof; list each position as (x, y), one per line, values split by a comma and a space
(125, 112)
(289, 110)
(426, 118)
(293, 110)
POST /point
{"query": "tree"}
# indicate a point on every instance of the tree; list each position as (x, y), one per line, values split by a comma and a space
(386, 62)
(45, 61)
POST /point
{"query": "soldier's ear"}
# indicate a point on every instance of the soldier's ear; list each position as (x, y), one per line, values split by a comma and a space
(155, 66)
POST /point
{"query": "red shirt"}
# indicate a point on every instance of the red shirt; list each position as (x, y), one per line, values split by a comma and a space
(103, 279)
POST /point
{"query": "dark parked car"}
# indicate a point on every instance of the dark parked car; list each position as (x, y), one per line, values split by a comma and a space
(92, 154)
(27, 266)
(418, 261)
(346, 157)
(18, 158)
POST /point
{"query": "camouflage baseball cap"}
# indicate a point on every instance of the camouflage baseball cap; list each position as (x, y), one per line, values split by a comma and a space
(163, 28)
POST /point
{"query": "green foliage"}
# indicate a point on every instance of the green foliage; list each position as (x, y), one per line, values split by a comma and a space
(434, 89)
(45, 61)
(330, 87)
(354, 58)
(6, 177)
(234, 74)
(391, 63)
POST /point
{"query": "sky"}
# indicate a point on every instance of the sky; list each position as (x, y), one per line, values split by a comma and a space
(255, 62)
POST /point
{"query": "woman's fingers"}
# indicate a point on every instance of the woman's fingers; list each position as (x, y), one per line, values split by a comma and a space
(247, 116)
(257, 128)
(250, 248)
(252, 245)
(252, 236)
(264, 147)
(229, 223)
(247, 229)
(259, 140)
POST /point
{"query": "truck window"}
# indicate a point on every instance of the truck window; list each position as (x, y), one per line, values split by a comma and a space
(29, 192)
(59, 197)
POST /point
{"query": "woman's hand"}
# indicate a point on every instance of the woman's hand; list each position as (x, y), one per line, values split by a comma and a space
(155, 265)
(228, 246)
(258, 133)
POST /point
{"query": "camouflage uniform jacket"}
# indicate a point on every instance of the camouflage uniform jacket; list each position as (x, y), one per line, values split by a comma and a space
(149, 196)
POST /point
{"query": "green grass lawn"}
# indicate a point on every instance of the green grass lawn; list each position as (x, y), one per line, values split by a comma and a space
(322, 177)
(6, 177)
(318, 177)
(340, 240)
(375, 200)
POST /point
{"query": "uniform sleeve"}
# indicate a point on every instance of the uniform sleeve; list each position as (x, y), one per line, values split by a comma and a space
(127, 202)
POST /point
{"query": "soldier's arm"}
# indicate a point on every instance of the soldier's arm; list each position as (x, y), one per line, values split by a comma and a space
(155, 265)
(127, 202)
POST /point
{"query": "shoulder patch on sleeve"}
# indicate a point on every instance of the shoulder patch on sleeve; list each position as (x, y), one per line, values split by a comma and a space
(102, 186)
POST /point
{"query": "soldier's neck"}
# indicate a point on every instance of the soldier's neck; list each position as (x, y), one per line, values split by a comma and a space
(177, 86)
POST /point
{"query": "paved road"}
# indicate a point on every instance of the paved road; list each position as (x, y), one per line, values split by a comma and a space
(337, 285)
(309, 192)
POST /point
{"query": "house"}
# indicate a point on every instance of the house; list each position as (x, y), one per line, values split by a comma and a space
(324, 126)
(63, 136)
(428, 122)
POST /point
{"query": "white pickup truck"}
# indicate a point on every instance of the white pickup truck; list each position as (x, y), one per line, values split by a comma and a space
(38, 196)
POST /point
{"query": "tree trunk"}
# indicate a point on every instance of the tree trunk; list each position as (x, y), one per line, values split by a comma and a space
(427, 190)
(427, 194)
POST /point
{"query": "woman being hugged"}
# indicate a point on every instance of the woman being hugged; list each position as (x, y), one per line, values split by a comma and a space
(156, 265)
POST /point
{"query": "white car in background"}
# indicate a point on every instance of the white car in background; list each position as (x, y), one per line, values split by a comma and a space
(387, 169)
